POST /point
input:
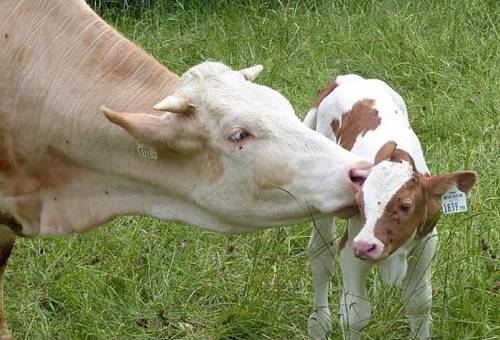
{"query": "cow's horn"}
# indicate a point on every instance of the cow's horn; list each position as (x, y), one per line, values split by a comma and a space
(252, 73)
(176, 103)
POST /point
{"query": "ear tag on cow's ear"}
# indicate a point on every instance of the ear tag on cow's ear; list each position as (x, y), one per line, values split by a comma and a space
(454, 201)
(146, 151)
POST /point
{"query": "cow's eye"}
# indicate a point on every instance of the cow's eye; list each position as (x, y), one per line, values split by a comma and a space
(405, 207)
(239, 136)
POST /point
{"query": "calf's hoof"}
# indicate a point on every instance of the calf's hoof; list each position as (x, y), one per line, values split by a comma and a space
(319, 324)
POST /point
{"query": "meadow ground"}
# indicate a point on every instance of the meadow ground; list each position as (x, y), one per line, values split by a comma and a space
(138, 278)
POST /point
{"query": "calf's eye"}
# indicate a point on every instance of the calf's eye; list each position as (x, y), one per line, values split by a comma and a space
(405, 207)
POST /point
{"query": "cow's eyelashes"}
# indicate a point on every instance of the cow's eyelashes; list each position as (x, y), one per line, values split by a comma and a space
(238, 136)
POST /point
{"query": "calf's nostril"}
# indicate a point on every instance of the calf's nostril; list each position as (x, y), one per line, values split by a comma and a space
(365, 249)
(371, 248)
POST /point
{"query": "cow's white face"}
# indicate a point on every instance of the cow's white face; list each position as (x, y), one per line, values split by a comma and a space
(258, 164)
(398, 204)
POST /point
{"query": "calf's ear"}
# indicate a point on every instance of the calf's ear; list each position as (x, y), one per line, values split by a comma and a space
(390, 152)
(178, 132)
(438, 185)
(385, 152)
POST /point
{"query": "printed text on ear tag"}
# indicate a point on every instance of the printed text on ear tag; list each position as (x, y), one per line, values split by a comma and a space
(146, 151)
(454, 201)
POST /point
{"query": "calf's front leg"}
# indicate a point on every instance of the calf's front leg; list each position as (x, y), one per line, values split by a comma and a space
(355, 308)
(7, 239)
(418, 289)
(322, 256)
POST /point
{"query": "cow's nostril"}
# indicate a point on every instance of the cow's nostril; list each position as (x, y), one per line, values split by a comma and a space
(356, 178)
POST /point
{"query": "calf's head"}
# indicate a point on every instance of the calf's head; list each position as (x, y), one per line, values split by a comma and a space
(257, 164)
(397, 203)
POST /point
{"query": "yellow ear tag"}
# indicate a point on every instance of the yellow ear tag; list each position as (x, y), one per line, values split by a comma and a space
(146, 151)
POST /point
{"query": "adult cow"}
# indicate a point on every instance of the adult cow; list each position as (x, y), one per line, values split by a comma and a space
(225, 154)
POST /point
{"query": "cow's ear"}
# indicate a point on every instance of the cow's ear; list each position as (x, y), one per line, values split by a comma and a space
(176, 131)
(438, 185)
(385, 152)
(252, 73)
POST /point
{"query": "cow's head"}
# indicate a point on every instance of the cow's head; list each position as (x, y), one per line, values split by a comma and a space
(397, 203)
(257, 163)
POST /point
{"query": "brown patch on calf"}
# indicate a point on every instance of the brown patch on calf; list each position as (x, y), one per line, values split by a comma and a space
(335, 124)
(433, 212)
(438, 185)
(325, 91)
(360, 119)
(385, 152)
(435, 187)
(400, 155)
(390, 152)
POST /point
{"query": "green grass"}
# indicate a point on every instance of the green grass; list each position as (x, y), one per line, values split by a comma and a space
(140, 279)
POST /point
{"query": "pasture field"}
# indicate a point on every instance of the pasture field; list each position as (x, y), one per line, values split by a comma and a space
(139, 278)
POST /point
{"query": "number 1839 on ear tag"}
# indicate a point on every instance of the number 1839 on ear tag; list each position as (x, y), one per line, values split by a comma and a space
(454, 201)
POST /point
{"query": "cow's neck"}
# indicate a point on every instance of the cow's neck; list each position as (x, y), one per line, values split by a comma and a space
(65, 168)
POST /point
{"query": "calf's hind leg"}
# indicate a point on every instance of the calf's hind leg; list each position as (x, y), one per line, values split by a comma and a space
(7, 239)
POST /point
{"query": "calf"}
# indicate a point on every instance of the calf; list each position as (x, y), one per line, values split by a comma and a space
(399, 205)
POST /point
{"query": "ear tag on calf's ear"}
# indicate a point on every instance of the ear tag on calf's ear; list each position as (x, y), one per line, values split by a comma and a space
(146, 151)
(454, 201)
